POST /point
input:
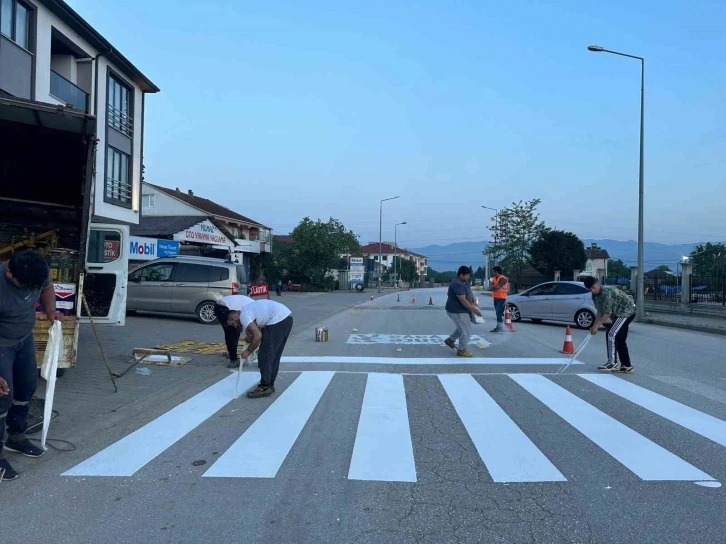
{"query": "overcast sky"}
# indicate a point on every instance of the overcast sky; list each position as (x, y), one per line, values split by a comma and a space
(285, 109)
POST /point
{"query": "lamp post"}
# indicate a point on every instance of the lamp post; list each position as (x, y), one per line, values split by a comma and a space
(496, 234)
(395, 249)
(640, 288)
(380, 240)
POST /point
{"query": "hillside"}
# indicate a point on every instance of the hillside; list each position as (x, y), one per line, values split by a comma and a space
(451, 256)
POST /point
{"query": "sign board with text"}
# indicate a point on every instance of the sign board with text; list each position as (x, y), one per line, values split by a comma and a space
(148, 249)
(204, 232)
(259, 290)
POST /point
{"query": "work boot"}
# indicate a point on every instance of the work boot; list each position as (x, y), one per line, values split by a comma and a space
(449, 342)
(22, 445)
(261, 391)
(8, 473)
(464, 353)
(233, 364)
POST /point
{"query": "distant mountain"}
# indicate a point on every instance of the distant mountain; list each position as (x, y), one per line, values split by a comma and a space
(451, 256)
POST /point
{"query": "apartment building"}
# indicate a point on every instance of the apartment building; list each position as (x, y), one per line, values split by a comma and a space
(388, 251)
(50, 54)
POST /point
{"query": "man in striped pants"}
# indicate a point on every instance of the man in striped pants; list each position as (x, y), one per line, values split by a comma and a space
(612, 303)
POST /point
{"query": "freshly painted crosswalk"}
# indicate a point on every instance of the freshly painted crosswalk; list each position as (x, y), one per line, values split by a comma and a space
(383, 448)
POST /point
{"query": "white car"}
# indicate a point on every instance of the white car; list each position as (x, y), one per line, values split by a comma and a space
(565, 301)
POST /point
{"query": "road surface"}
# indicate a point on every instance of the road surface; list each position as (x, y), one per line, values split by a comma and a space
(382, 435)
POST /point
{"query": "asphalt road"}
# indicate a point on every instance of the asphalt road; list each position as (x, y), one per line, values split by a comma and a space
(382, 435)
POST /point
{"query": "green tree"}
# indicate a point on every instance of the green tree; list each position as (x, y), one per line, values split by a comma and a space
(618, 269)
(557, 249)
(479, 274)
(709, 259)
(405, 268)
(515, 229)
(317, 247)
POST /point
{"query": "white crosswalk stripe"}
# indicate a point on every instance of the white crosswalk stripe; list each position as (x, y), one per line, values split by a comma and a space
(383, 449)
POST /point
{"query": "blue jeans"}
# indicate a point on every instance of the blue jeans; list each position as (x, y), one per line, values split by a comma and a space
(499, 309)
(18, 367)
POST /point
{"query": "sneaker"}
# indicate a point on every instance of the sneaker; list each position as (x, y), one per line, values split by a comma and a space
(23, 446)
(233, 364)
(261, 391)
(498, 328)
(464, 353)
(6, 471)
(449, 342)
(625, 369)
(609, 367)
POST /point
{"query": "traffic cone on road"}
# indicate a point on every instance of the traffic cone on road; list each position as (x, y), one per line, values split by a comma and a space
(431, 301)
(508, 320)
(569, 347)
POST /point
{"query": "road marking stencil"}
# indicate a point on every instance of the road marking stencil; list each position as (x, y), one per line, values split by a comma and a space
(409, 339)
(383, 447)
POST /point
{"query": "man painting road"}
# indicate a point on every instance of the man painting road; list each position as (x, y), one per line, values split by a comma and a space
(24, 280)
(231, 334)
(459, 310)
(499, 285)
(267, 325)
(612, 303)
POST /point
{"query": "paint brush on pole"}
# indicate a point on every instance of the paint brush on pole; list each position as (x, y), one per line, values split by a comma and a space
(574, 356)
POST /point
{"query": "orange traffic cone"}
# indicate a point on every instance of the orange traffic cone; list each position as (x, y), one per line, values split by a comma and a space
(431, 301)
(569, 347)
(413, 300)
(508, 320)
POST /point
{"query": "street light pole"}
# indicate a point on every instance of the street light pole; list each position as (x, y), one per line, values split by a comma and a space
(640, 287)
(395, 250)
(380, 240)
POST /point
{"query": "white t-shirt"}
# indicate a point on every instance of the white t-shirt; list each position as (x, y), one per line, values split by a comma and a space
(264, 313)
(236, 302)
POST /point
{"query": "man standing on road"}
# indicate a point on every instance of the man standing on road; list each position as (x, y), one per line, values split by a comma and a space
(231, 334)
(458, 308)
(499, 286)
(267, 325)
(612, 303)
(24, 280)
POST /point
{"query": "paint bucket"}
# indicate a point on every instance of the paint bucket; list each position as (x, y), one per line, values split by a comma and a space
(321, 334)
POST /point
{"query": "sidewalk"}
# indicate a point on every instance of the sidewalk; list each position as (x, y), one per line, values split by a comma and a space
(712, 325)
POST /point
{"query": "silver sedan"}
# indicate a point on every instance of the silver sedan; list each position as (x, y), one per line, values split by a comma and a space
(565, 301)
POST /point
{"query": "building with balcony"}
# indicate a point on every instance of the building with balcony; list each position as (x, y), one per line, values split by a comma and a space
(50, 54)
(250, 236)
(389, 251)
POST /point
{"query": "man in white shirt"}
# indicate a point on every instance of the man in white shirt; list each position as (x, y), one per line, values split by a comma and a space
(266, 324)
(222, 308)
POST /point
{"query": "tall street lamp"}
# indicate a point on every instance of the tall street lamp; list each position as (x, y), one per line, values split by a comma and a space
(380, 240)
(496, 233)
(640, 288)
(395, 249)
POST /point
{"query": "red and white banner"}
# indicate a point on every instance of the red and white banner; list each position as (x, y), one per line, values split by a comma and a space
(260, 290)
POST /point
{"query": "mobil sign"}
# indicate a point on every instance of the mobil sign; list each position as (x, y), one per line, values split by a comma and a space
(147, 249)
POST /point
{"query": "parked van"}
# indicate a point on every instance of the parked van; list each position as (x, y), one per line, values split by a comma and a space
(184, 285)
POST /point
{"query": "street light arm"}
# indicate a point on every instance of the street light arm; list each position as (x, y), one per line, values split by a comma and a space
(599, 49)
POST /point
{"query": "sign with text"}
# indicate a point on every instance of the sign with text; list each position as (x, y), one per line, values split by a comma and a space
(111, 250)
(259, 290)
(147, 249)
(356, 261)
(204, 233)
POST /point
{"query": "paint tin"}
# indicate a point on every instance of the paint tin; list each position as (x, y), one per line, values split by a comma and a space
(321, 334)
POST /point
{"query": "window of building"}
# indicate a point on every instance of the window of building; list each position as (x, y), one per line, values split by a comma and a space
(385, 257)
(119, 106)
(15, 22)
(147, 202)
(118, 181)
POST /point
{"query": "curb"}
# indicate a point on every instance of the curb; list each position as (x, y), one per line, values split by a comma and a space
(685, 326)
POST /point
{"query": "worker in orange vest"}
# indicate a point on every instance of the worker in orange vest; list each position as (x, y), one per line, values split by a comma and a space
(499, 285)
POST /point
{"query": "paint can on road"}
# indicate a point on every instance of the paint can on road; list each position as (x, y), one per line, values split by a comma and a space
(321, 334)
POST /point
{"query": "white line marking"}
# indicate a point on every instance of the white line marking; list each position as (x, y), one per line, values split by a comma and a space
(645, 458)
(506, 451)
(263, 447)
(713, 393)
(685, 416)
(383, 450)
(408, 339)
(425, 360)
(131, 453)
